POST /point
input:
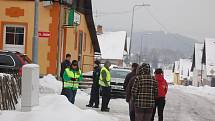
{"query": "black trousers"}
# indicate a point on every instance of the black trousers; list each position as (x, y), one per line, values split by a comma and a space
(159, 104)
(106, 96)
(131, 110)
(94, 96)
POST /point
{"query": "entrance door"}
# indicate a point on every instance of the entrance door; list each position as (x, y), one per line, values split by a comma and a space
(14, 38)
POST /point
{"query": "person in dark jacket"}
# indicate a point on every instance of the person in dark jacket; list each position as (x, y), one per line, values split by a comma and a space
(94, 95)
(144, 93)
(130, 75)
(65, 64)
(128, 83)
(162, 91)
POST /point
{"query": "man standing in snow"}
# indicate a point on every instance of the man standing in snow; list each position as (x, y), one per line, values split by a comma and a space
(162, 91)
(144, 92)
(104, 82)
(94, 94)
(130, 75)
(65, 64)
(71, 77)
(128, 83)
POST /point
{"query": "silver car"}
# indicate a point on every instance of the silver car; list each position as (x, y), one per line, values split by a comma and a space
(117, 81)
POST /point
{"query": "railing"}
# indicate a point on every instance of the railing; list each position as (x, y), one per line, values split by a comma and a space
(10, 90)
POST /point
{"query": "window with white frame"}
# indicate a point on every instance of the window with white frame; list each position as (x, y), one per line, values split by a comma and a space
(14, 35)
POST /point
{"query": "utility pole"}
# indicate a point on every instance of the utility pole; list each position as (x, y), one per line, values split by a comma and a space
(35, 37)
(59, 41)
(132, 25)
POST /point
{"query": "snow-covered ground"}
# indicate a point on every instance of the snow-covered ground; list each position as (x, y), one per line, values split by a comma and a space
(54, 107)
(190, 104)
(182, 104)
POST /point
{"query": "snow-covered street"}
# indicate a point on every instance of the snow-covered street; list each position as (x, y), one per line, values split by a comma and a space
(183, 104)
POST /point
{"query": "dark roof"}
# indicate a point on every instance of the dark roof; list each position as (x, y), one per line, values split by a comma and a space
(193, 60)
(204, 55)
(85, 7)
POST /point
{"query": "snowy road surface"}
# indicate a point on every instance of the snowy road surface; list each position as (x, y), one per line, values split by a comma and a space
(180, 106)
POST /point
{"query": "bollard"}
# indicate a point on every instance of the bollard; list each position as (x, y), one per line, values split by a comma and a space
(30, 87)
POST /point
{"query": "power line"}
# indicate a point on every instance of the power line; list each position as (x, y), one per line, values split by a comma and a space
(99, 14)
(157, 20)
(161, 25)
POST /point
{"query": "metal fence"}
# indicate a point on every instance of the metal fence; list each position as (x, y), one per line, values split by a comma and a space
(10, 90)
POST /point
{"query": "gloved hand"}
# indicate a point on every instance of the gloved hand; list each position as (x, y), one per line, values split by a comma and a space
(73, 79)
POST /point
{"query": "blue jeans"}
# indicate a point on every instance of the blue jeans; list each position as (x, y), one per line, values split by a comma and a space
(70, 94)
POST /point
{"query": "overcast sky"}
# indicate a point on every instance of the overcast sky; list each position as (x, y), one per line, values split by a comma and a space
(192, 18)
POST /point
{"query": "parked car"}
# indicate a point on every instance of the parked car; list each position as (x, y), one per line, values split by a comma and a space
(117, 81)
(12, 62)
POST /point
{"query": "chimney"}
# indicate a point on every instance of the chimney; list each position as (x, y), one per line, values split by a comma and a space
(99, 29)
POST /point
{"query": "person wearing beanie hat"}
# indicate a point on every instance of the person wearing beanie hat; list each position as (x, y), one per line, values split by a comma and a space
(144, 93)
(72, 76)
(94, 94)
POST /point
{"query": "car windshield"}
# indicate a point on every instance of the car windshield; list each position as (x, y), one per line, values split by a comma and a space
(119, 73)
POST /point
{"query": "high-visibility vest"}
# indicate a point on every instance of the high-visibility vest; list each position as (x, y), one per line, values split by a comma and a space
(108, 77)
(72, 84)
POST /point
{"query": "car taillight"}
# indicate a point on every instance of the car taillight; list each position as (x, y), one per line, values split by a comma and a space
(20, 72)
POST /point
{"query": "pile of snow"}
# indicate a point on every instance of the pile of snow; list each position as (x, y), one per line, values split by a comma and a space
(54, 108)
(50, 85)
(205, 91)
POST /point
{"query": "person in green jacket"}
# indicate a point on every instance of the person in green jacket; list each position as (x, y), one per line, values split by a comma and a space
(72, 76)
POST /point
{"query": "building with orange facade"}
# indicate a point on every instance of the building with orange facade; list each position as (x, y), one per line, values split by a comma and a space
(77, 37)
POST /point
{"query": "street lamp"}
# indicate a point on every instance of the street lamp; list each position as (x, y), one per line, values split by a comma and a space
(132, 25)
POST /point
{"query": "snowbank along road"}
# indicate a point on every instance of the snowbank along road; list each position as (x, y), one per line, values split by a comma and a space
(180, 106)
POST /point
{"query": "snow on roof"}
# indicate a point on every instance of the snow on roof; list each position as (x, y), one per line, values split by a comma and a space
(210, 58)
(112, 44)
(198, 55)
(185, 68)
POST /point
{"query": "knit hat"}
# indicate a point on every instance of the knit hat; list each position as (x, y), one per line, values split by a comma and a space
(97, 62)
(144, 69)
(159, 71)
(74, 62)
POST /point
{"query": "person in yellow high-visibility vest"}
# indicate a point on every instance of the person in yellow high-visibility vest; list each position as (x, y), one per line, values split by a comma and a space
(104, 82)
(72, 76)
